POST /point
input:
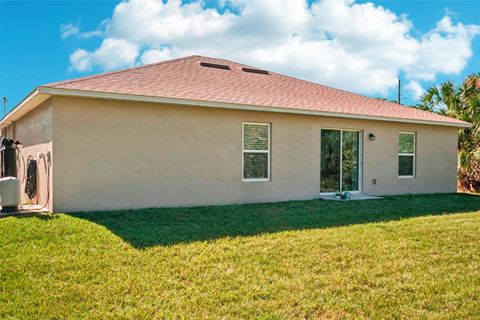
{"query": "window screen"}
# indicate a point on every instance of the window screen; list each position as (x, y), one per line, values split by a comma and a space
(406, 154)
(256, 151)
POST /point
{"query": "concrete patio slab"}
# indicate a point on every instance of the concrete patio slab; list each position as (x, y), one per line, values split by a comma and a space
(353, 197)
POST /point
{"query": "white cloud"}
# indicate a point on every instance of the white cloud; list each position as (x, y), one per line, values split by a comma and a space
(445, 49)
(89, 34)
(155, 55)
(415, 89)
(112, 54)
(353, 46)
(152, 21)
(68, 29)
(80, 60)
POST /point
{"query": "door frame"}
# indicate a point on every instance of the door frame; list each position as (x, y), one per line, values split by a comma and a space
(360, 160)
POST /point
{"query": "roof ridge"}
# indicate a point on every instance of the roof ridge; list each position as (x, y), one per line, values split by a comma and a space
(299, 79)
(393, 104)
(234, 62)
(338, 89)
(311, 82)
(377, 100)
(54, 84)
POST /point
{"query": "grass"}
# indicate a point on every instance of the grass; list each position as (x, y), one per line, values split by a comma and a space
(400, 257)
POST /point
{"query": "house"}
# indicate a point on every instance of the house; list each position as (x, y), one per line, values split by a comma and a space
(204, 131)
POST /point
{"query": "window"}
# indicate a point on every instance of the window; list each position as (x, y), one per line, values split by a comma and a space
(406, 155)
(256, 151)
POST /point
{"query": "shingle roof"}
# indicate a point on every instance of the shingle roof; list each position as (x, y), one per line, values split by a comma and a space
(185, 78)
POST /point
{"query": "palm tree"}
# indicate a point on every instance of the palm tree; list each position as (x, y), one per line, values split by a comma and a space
(461, 102)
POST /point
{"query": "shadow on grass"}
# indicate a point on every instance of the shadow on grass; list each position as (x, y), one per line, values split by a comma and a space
(40, 216)
(167, 226)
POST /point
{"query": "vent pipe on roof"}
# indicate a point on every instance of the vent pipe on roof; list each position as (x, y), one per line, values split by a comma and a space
(5, 106)
(399, 84)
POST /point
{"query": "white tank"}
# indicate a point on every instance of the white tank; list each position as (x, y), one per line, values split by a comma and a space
(9, 192)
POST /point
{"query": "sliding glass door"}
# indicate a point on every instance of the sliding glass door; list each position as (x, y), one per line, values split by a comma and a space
(339, 160)
(350, 160)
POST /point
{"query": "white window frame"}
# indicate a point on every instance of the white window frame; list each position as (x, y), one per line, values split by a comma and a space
(414, 154)
(268, 152)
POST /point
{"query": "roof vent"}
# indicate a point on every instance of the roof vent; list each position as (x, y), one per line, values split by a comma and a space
(214, 65)
(255, 70)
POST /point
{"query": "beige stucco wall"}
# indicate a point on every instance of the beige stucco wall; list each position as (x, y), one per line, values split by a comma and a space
(35, 131)
(112, 154)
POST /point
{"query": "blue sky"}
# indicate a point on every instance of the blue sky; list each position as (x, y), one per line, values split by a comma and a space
(359, 46)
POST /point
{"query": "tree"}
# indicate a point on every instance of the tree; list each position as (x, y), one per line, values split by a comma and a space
(460, 102)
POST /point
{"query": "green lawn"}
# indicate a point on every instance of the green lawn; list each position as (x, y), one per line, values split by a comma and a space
(399, 257)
